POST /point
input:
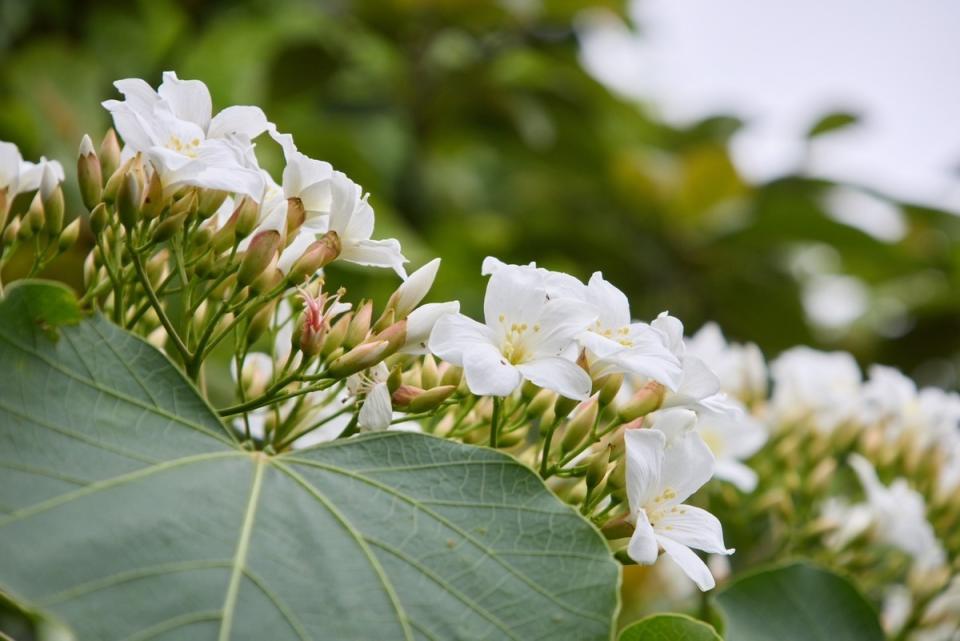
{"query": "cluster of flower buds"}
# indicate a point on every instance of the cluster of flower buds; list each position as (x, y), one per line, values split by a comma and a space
(34, 224)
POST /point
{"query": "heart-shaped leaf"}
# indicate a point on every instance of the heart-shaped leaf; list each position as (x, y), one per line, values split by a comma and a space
(128, 511)
(669, 627)
(797, 602)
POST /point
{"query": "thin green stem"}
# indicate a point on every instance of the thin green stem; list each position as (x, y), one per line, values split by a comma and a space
(158, 307)
(495, 421)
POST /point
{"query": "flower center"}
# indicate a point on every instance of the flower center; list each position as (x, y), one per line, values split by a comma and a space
(186, 148)
(620, 334)
(515, 335)
(659, 508)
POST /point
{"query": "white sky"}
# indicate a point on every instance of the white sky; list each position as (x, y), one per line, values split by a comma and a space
(780, 64)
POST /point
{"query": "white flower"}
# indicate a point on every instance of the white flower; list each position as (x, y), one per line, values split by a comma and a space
(732, 441)
(741, 368)
(527, 334)
(18, 176)
(614, 343)
(899, 515)
(847, 520)
(931, 415)
(351, 216)
(375, 409)
(820, 387)
(659, 478)
(420, 324)
(173, 127)
(413, 290)
(699, 387)
(310, 181)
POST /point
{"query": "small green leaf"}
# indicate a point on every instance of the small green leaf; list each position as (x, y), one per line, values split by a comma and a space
(128, 511)
(669, 627)
(797, 602)
(832, 122)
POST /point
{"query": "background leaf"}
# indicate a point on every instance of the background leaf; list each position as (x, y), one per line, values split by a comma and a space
(128, 512)
(798, 602)
(669, 627)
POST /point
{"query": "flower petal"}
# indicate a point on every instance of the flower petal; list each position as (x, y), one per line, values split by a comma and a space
(691, 564)
(420, 324)
(687, 465)
(693, 527)
(375, 253)
(189, 99)
(645, 450)
(488, 373)
(558, 374)
(246, 120)
(735, 472)
(455, 334)
(376, 411)
(415, 288)
(643, 546)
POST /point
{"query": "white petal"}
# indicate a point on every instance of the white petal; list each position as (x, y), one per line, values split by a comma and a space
(742, 477)
(643, 546)
(420, 324)
(671, 330)
(611, 303)
(675, 423)
(295, 249)
(375, 253)
(10, 160)
(455, 334)
(415, 288)
(376, 411)
(189, 99)
(488, 373)
(693, 527)
(560, 321)
(515, 295)
(699, 381)
(691, 564)
(644, 466)
(239, 119)
(490, 264)
(558, 374)
(687, 465)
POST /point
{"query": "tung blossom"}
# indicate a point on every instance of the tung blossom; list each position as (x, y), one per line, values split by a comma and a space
(820, 387)
(665, 465)
(174, 127)
(732, 441)
(741, 368)
(526, 335)
(18, 176)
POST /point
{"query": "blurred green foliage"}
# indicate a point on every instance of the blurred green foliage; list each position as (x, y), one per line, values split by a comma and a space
(477, 132)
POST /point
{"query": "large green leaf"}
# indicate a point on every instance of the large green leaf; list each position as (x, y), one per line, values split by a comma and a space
(669, 627)
(128, 512)
(797, 602)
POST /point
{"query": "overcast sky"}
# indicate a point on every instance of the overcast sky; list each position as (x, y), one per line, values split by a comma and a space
(779, 64)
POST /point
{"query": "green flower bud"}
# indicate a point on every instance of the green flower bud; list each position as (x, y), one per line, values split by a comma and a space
(186, 204)
(564, 406)
(395, 335)
(167, 228)
(597, 467)
(12, 231)
(395, 380)
(543, 401)
(528, 390)
(113, 182)
(359, 358)
(296, 215)
(153, 200)
(429, 373)
(360, 325)
(263, 250)
(268, 280)
(98, 219)
(247, 213)
(452, 375)
(109, 153)
(89, 174)
(608, 386)
(430, 399)
(128, 201)
(34, 219)
(209, 202)
(318, 255)
(336, 335)
(580, 425)
(201, 239)
(647, 399)
(401, 397)
(69, 236)
(89, 271)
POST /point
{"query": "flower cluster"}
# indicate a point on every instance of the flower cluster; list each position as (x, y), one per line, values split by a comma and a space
(202, 251)
(860, 472)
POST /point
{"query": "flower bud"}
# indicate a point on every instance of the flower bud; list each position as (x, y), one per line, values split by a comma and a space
(429, 373)
(153, 200)
(403, 395)
(597, 467)
(247, 213)
(89, 175)
(618, 477)
(580, 425)
(69, 236)
(395, 380)
(201, 239)
(608, 386)
(296, 215)
(359, 358)
(34, 219)
(185, 204)
(128, 201)
(431, 399)
(452, 375)
(12, 231)
(319, 254)
(268, 280)
(395, 335)
(414, 289)
(647, 399)
(4, 205)
(109, 153)
(52, 195)
(168, 227)
(98, 219)
(110, 190)
(336, 335)
(564, 406)
(263, 250)
(89, 271)
(543, 401)
(360, 325)
(209, 201)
